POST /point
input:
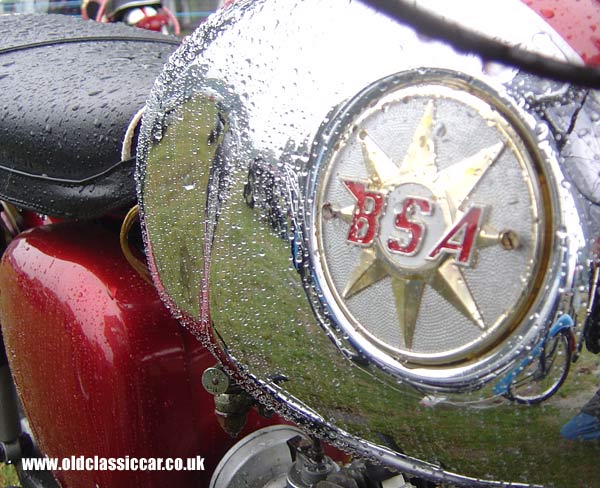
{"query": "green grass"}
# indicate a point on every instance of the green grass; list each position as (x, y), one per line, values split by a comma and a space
(8, 476)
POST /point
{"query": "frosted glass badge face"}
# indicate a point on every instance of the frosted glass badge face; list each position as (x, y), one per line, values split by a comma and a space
(428, 202)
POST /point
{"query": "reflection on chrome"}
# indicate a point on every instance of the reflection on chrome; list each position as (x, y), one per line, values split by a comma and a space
(390, 225)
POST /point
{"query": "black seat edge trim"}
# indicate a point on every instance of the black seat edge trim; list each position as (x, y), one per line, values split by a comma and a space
(89, 179)
(110, 191)
(52, 42)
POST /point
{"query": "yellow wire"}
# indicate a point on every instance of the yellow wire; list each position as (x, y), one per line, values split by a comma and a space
(138, 265)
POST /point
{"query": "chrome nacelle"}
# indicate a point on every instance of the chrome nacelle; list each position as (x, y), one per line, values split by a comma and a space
(400, 230)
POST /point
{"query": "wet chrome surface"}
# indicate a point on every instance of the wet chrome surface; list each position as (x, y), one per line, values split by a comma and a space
(409, 231)
(229, 149)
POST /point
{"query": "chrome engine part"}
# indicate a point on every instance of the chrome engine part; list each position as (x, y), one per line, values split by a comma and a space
(390, 224)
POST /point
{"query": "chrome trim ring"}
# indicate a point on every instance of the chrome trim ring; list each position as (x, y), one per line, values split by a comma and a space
(414, 227)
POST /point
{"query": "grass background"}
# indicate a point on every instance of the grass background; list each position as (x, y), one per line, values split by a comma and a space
(8, 476)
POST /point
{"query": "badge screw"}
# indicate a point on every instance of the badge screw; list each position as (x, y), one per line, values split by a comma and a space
(509, 240)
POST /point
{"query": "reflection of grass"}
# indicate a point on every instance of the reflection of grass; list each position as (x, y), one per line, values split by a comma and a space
(174, 198)
(260, 310)
(262, 314)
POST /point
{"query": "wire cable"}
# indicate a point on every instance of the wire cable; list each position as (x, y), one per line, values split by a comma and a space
(468, 41)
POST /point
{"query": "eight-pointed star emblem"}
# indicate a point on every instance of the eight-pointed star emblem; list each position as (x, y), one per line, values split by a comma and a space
(417, 225)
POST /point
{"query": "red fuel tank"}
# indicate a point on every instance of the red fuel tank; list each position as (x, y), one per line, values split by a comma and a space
(101, 366)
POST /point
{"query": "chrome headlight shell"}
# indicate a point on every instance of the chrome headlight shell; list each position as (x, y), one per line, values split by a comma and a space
(389, 224)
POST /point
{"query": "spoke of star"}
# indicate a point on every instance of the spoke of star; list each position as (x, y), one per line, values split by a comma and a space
(450, 283)
(461, 178)
(488, 237)
(408, 294)
(346, 214)
(380, 167)
(368, 272)
(420, 157)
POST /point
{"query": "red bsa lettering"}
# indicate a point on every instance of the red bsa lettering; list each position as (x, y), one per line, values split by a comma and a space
(414, 229)
(460, 239)
(369, 204)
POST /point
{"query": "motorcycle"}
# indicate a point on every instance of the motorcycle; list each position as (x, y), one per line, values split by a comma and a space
(151, 15)
(359, 255)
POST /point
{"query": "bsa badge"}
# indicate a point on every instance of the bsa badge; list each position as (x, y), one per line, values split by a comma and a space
(429, 231)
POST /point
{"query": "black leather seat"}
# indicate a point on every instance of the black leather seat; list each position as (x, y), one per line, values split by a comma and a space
(68, 91)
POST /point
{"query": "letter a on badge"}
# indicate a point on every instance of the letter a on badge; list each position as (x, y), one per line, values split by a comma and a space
(461, 237)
